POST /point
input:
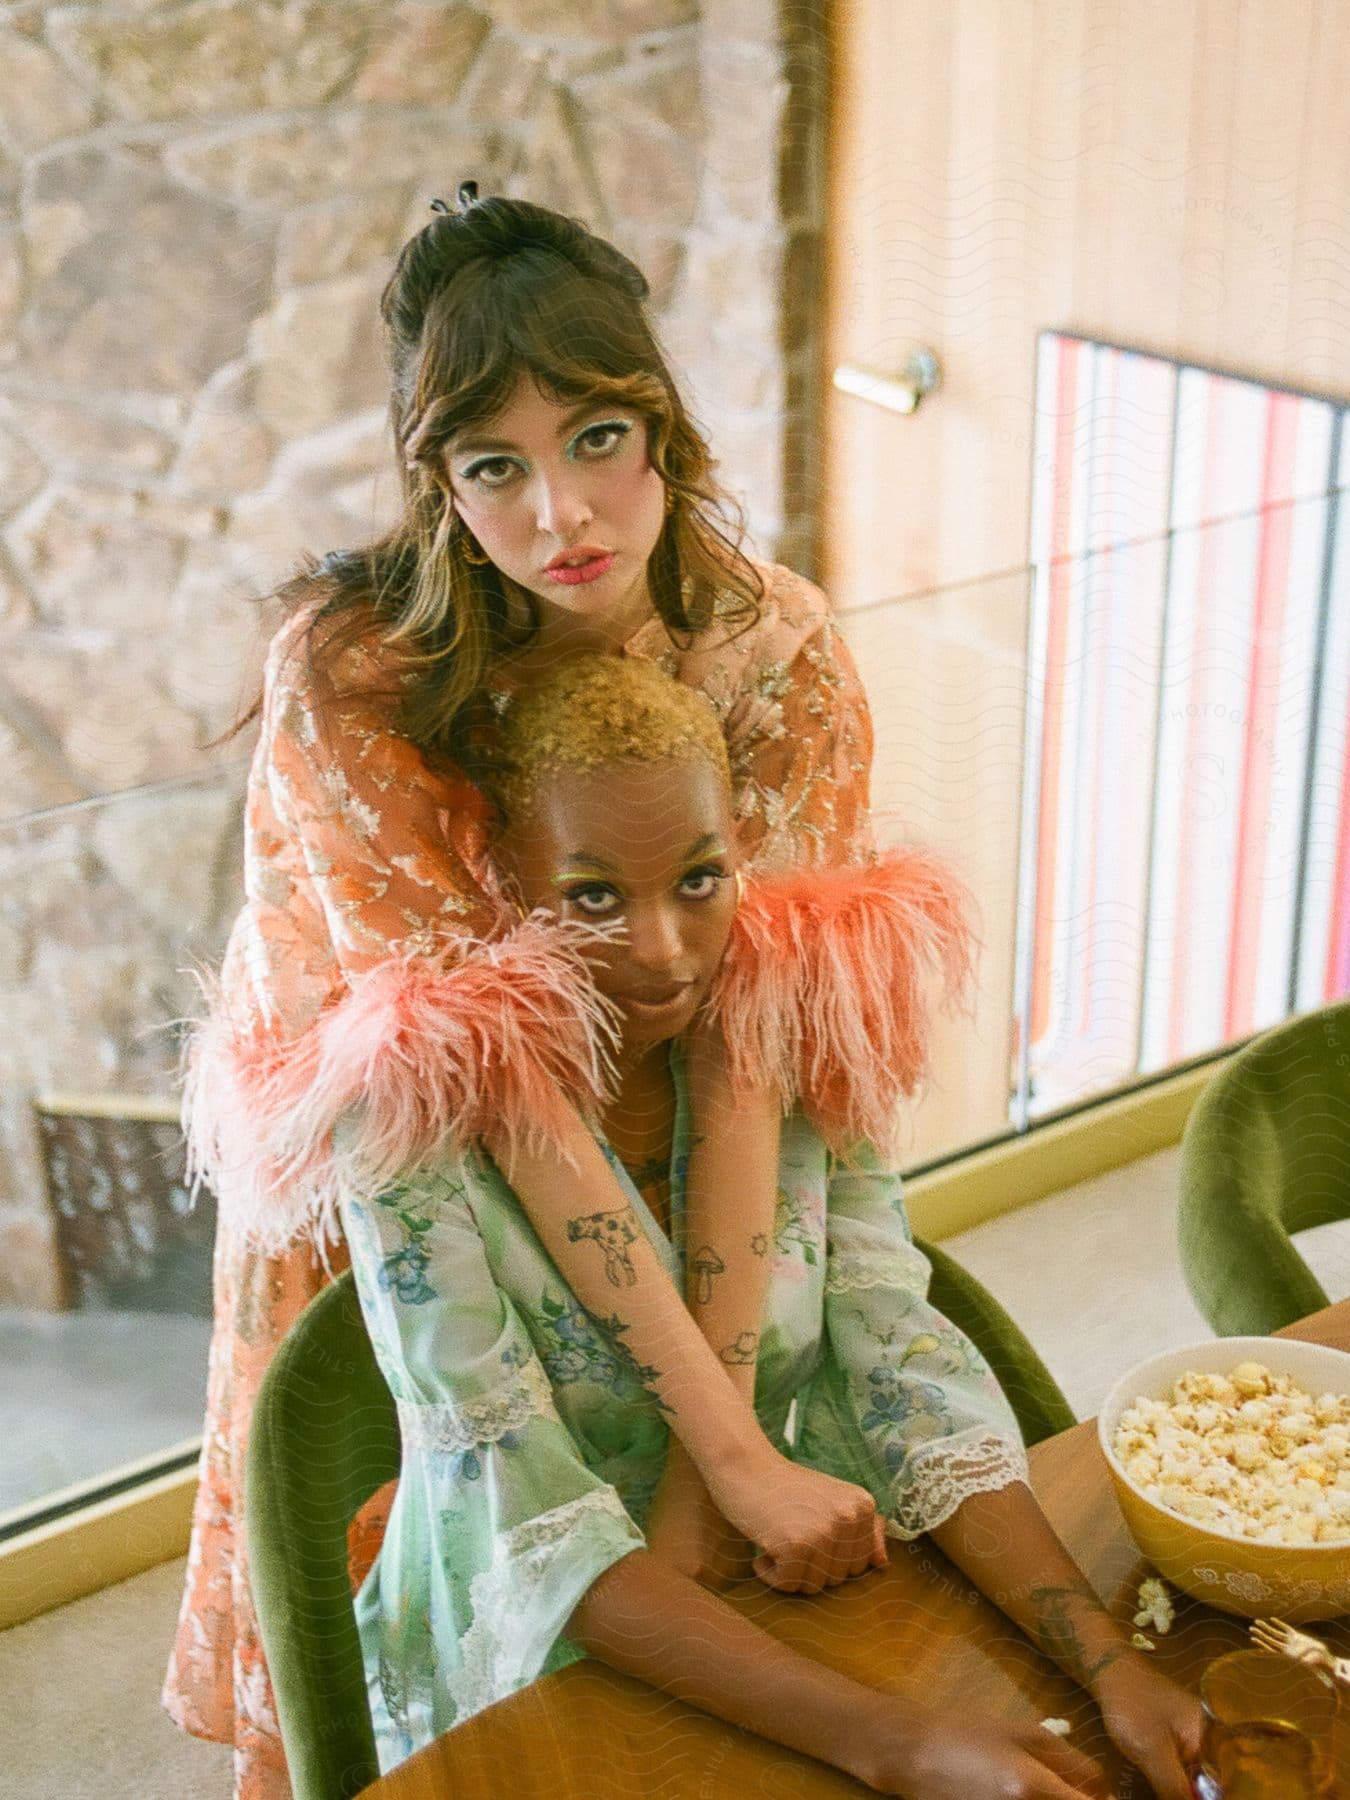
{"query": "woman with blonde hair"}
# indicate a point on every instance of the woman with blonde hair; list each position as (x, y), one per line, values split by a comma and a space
(530, 1526)
(556, 498)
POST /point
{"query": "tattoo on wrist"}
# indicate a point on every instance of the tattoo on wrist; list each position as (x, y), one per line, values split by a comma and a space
(1055, 1633)
(613, 1231)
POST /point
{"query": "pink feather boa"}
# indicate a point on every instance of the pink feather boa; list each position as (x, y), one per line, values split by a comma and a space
(821, 989)
(820, 992)
(420, 1055)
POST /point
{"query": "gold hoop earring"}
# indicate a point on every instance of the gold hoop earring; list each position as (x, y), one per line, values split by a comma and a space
(740, 887)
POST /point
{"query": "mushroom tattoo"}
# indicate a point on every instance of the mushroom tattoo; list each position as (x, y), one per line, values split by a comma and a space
(707, 1263)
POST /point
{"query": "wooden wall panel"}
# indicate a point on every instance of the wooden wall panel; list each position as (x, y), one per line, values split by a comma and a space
(1173, 178)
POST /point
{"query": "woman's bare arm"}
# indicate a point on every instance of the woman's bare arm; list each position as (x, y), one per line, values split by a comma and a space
(1005, 1544)
(1008, 1548)
(589, 1228)
(730, 1197)
(731, 1193)
(646, 1619)
(813, 1528)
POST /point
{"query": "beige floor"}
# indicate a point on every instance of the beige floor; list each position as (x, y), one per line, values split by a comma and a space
(79, 1702)
(1090, 1274)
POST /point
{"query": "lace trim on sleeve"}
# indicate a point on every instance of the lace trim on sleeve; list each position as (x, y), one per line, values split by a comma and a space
(901, 1267)
(502, 1649)
(458, 1425)
(938, 1477)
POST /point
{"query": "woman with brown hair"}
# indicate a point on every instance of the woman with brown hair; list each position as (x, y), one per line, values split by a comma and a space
(557, 498)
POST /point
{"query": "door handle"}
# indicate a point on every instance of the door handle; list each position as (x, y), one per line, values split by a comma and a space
(897, 393)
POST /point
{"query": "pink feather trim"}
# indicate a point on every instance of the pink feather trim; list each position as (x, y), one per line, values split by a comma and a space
(821, 989)
(420, 1056)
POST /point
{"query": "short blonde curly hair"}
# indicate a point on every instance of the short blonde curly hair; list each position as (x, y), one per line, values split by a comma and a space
(598, 709)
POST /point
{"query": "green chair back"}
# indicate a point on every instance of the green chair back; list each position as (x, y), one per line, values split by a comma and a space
(1033, 1393)
(324, 1437)
(1266, 1152)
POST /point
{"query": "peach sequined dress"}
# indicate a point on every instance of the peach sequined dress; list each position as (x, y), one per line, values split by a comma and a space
(356, 853)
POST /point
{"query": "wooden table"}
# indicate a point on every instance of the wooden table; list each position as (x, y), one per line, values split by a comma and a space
(589, 1733)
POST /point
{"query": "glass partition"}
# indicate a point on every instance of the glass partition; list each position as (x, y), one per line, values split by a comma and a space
(105, 1282)
(1137, 757)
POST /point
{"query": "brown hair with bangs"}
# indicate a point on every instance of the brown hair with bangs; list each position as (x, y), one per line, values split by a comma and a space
(478, 296)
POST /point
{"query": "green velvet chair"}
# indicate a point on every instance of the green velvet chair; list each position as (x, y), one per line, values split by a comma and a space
(1266, 1152)
(324, 1438)
(1032, 1390)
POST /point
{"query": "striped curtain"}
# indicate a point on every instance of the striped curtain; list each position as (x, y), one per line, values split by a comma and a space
(1185, 834)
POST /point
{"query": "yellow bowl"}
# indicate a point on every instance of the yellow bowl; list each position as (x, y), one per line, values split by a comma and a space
(1288, 1581)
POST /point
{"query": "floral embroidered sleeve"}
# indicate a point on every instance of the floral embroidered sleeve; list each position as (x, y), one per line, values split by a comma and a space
(801, 742)
(382, 835)
(433, 1021)
(500, 1527)
(903, 1403)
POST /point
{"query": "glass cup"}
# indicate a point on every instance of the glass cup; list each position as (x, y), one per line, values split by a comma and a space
(1269, 1730)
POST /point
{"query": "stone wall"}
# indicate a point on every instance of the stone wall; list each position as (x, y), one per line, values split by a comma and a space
(200, 201)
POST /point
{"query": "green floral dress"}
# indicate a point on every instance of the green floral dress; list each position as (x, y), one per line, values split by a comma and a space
(532, 1448)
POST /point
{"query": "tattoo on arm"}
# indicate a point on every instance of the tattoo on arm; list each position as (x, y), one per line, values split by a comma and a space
(1054, 1632)
(705, 1263)
(614, 1231)
(645, 1373)
(743, 1350)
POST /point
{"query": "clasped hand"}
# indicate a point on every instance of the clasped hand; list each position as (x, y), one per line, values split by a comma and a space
(813, 1531)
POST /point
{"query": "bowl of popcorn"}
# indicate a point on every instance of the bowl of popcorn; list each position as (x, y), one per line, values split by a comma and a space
(1231, 1463)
